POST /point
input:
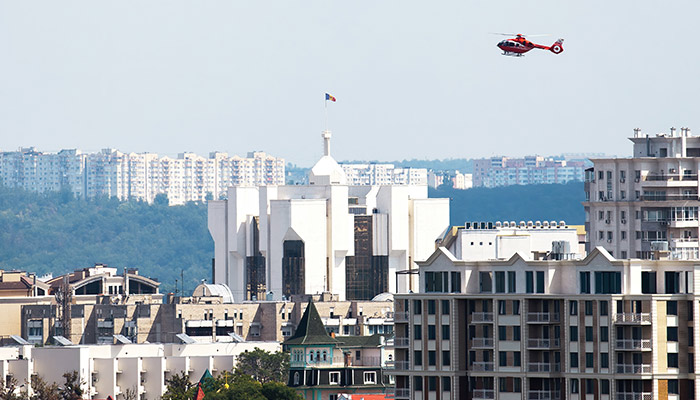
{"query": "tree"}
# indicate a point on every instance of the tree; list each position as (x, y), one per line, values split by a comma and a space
(43, 390)
(179, 387)
(7, 392)
(71, 389)
(279, 391)
(264, 366)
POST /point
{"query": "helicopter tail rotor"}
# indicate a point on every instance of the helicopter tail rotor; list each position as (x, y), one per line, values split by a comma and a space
(557, 47)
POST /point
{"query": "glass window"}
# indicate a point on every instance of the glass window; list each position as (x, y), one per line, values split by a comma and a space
(431, 358)
(445, 357)
(673, 386)
(516, 358)
(604, 360)
(604, 386)
(574, 386)
(529, 282)
(588, 305)
(603, 307)
(672, 333)
(608, 282)
(456, 282)
(502, 333)
(417, 383)
(589, 360)
(502, 357)
(540, 281)
(485, 282)
(589, 333)
(585, 278)
(672, 360)
(501, 307)
(516, 333)
(500, 282)
(432, 383)
(417, 308)
(672, 307)
(672, 282)
(431, 332)
(445, 332)
(445, 307)
(511, 282)
(573, 333)
(604, 334)
(446, 384)
(516, 307)
(417, 357)
(573, 307)
(573, 357)
(431, 307)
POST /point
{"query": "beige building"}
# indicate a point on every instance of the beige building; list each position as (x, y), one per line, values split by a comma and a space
(636, 206)
(596, 328)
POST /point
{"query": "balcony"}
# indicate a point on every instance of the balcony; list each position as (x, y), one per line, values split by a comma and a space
(482, 343)
(542, 343)
(482, 366)
(542, 317)
(633, 344)
(669, 197)
(402, 393)
(543, 395)
(633, 369)
(483, 394)
(401, 316)
(482, 317)
(543, 367)
(685, 242)
(632, 318)
(633, 396)
(401, 342)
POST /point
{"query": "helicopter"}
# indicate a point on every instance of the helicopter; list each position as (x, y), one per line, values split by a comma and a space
(519, 45)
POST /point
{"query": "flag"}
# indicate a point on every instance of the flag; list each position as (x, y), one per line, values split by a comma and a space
(329, 97)
(200, 393)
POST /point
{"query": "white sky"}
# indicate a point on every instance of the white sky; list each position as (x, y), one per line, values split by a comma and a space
(413, 79)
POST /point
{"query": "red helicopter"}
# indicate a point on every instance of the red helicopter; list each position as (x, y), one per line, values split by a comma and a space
(518, 45)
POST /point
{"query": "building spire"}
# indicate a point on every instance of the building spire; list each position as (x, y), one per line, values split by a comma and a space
(326, 135)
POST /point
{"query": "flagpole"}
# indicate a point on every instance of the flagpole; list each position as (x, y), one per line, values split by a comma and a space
(326, 110)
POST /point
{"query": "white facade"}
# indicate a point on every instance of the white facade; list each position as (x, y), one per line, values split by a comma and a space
(489, 241)
(322, 216)
(143, 176)
(111, 370)
(638, 206)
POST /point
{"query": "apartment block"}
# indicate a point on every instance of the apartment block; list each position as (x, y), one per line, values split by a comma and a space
(383, 174)
(142, 176)
(530, 170)
(638, 206)
(594, 328)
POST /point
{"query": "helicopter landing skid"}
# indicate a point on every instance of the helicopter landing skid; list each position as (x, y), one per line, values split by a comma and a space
(508, 53)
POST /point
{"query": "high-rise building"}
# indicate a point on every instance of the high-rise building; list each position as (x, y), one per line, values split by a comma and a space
(530, 170)
(636, 207)
(356, 241)
(141, 176)
(383, 174)
(592, 328)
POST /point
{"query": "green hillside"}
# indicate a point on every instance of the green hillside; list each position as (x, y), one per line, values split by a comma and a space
(55, 233)
(516, 203)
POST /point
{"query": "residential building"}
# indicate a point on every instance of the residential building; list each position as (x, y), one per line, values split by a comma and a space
(592, 328)
(648, 203)
(112, 370)
(500, 240)
(142, 176)
(323, 365)
(462, 181)
(327, 236)
(530, 170)
(383, 174)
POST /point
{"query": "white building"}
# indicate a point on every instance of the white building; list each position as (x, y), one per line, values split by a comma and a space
(142, 176)
(327, 236)
(500, 240)
(111, 370)
(637, 206)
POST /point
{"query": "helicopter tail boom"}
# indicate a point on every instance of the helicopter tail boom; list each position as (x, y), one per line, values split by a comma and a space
(557, 47)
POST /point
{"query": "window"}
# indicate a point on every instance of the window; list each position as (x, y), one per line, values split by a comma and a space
(540, 281)
(648, 282)
(590, 386)
(603, 307)
(500, 282)
(573, 360)
(690, 310)
(296, 378)
(516, 358)
(417, 332)
(334, 378)
(574, 386)
(691, 337)
(608, 282)
(673, 386)
(445, 357)
(501, 307)
(604, 334)
(511, 282)
(445, 307)
(589, 360)
(431, 332)
(529, 285)
(431, 358)
(517, 385)
(417, 357)
(516, 333)
(516, 307)
(502, 333)
(573, 333)
(673, 360)
(370, 378)
(585, 282)
(502, 358)
(455, 282)
(672, 307)
(417, 307)
(588, 307)
(672, 282)
(604, 360)
(589, 333)
(485, 282)
(445, 332)
(672, 334)
(431, 307)
(573, 307)
(601, 215)
(604, 386)
(502, 385)
(436, 282)
(446, 384)
(623, 235)
(418, 383)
